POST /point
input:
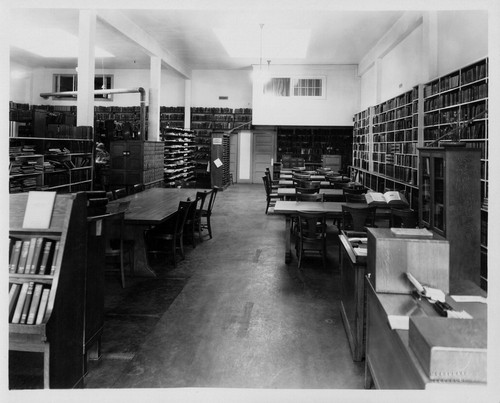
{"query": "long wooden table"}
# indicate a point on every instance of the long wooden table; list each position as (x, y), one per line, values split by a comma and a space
(291, 208)
(337, 194)
(148, 208)
(311, 177)
(289, 183)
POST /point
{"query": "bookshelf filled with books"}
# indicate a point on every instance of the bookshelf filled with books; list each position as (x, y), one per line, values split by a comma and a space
(171, 116)
(179, 150)
(456, 109)
(46, 283)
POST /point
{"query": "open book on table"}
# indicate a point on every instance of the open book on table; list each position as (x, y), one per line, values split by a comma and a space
(391, 198)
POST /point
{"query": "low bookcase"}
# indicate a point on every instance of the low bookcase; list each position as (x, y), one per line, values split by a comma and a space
(58, 334)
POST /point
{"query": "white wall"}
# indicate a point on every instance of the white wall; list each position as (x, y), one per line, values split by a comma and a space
(405, 59)
(208, 85)
(336, 109)
(462, 39)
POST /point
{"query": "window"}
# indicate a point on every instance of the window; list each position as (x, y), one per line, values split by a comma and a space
(311, 87)
(69, 82)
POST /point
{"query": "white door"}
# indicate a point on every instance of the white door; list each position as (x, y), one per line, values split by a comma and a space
(264, 141)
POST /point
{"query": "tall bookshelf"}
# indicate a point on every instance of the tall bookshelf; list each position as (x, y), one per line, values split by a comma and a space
(179, 149)
(58, 334)
(220, 153)
(311, 143)
(46, 155)
(385, 145)
(171, 117)
(459, 101)
(385, 152)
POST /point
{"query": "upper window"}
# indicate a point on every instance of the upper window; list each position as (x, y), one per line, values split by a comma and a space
(312, 87)
(69, 82)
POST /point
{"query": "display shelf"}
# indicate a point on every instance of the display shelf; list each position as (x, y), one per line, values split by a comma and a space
(35, 161)
(178, 164)
(54, 329)
(219, 153)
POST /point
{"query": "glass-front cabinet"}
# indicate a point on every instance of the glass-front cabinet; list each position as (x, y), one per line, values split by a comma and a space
(450, 204)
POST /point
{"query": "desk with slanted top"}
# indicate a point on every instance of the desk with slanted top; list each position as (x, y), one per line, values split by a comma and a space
(148, 208)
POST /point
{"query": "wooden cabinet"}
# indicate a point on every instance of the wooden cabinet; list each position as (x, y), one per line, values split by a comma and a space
(58, 336)
(219, 160)
(352, 301)
(135, 162)
(450, 205)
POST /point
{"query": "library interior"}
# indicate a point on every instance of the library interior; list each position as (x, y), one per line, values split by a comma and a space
(251, 200)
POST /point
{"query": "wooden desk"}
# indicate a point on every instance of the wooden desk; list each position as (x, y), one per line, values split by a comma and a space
(329, 194)
(352, 299)
(148, 208)
(311, 177)
(390, 362)
(291, 208)
(289, 183)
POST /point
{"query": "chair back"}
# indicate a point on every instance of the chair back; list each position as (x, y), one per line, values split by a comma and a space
(300, 190)
(356, 219)
(301, 176)
(182, 213)
(202, 196)
(138, 187)
(211, 201)
(317, 197)
(404, 218)
(113, 233)
(354, 191)
(119, 193)
(312, 226)
(354, 198)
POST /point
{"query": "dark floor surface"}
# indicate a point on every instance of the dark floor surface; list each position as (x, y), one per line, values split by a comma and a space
(231, 315)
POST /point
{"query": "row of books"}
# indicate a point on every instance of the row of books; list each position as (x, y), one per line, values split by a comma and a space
(394, 114)
(37, 255)
(396, 102)
(28, 302)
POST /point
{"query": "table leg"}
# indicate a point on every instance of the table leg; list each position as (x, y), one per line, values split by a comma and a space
(288, 253)
(141, 263)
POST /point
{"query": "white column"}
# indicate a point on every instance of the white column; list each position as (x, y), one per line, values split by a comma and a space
(154, 99)
(378, 82)
(86, 68)
(187, 104)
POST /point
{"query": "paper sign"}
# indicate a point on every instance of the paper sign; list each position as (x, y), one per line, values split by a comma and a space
(218, 163)
(39, 209)
(217, 141)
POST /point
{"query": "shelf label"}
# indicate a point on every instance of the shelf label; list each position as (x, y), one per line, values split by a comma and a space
(39, 209)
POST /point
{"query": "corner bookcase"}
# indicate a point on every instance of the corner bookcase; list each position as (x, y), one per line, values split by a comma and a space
(59, 335)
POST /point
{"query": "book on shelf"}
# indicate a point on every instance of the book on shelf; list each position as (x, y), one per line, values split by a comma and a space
(43, 306)
(31, 253)
(14, 256)
(391, 198)
(36, 255)
(23, 258)
(27, 302)
(35, 302)
(54, 258)
(45, 261)
(14, 290)
(16, 317)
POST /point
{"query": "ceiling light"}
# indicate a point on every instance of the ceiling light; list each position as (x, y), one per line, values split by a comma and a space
(278, 43)
(52, 42)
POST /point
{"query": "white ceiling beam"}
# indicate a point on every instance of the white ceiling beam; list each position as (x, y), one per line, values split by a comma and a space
(128, 28)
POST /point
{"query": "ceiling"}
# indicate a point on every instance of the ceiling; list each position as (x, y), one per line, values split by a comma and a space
(187, 35)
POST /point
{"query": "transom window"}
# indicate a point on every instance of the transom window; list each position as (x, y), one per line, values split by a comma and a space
(69, 82)
(312, 87)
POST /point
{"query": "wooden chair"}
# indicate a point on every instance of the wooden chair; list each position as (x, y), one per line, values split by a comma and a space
(116, 247)
(301, 176)
(168, 237)
(306, 190)
(274, 184)
(319, 197)
(358, 218)
(193, 223)
(270, 196)
(119, 193)
(311, 235)
(403, 218)
(206, 213)
(138, 187)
